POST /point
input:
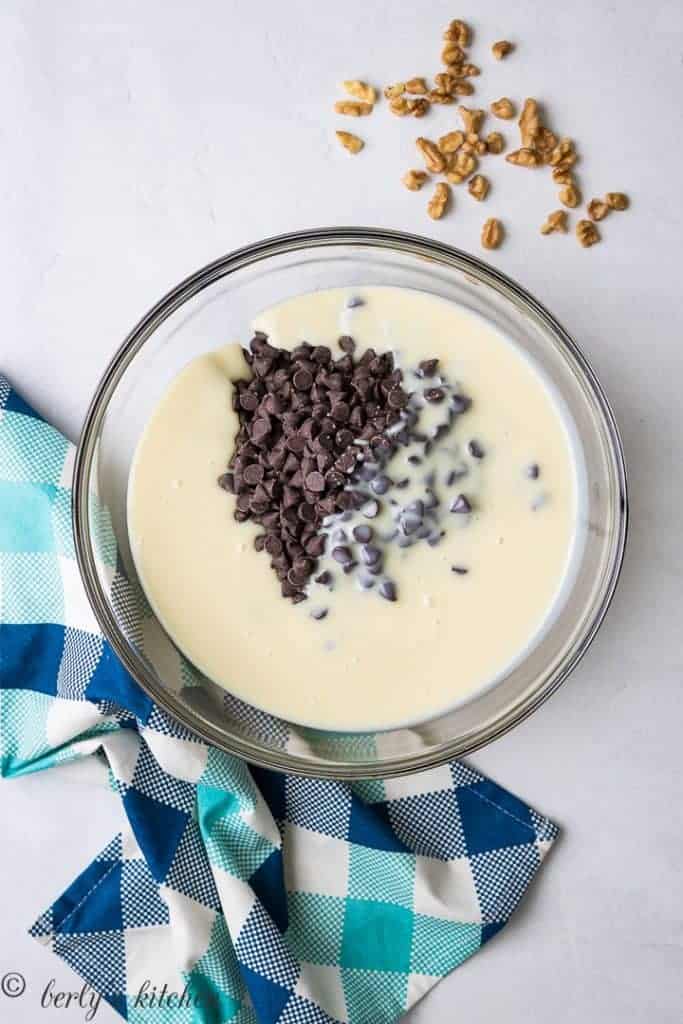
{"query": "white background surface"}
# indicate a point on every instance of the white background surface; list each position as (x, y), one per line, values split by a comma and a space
(142, 138)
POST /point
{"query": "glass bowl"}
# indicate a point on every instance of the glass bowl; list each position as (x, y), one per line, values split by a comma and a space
(216, 305)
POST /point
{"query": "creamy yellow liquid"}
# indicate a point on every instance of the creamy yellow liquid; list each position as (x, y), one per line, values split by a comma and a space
(369, 664)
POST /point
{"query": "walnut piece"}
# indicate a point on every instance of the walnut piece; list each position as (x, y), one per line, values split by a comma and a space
(563, 156)
(587, 233)
(555, 221)
(481, 147)
(399, 106)
(491, 233)
(434, 159)
(437, 96)
(495, 142)
(503, 108)
(463, 88)
(457, 32)
(414, 180)
(392, 91)
(350, 142)
(545, 142)
(617, 200)
(436, 207)
(471, 119)
(463, 163)
(451, 141)
(563, 177)
(416, 86)
(469, 71)
(361, 90)
(478, 187)
(418, 107)
(523, 157)
(445, 81)
(597, 209)
(570, 196)
(529, 123)
(501, 49)
(352, 108)
(452, 54)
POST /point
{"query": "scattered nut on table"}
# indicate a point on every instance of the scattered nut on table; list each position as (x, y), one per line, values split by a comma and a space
(555, 221)
(392, 91)
(353, 108)
(451, 141)
(570, 196)
(501, 49)
(503, 108)
(491, 233)
(350, 141)
(495, 142)
(617, 200)
(416, 86)
(597, 209)
(434, 159)
(414, 180)
(361, 90)
(478, 187)
(587, 233)
(436, 207)
(457, 32)
(523, 157)
(471, 118)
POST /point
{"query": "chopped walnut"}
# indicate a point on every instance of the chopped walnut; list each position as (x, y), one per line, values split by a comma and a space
(414, 180)
(555, 221)
(563, 177)
(434, 159)
(491, 233)
(437, 96)
(481, 147)
(353, 108)
(529, 123)
(464, 163)
(503, 108)
(545, 142)
(472, 119)
(463, 88)
(399, 106)
(501, 49)
(350, 142)
(445, 81)
(469, 71)
(570, 196)
(457, 32)
(452, 54)
(436, 207)
(617, 200)
(597, 209)
(478, 187)
(416, 86)
(361, 90)
(392, 91)
(587, 233)
(495, 142)
(523, 157)
(451, 141)
(563, 156)
(418, 107)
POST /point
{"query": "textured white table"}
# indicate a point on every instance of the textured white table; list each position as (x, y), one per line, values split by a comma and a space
(139, 141)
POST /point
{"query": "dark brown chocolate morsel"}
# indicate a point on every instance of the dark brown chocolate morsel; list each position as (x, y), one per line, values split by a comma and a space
(428, 367)
(460, 504)
(475, 449)
(387, 590)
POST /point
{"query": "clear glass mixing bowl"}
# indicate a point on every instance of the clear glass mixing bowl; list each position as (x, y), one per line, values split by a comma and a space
(216, 305)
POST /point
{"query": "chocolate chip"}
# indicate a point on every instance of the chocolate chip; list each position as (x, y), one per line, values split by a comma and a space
(428, 367)
(460, 504)
(253, 474)
(416, 507)
(459, 569)
(318, 613)
(315, 481)
(533, 471)
(342, 554)
(460, 403)
(434, 394)
(249, 401)
(227, 482)
(387, 590)
(325, 578)
(475, 449)
(296, 443)
(381, 484)
(362, 533)
(302, 380)
(348, 567)
(315, 547)
(370, 509)
(354, 301)
(370, 554)
(340, 412)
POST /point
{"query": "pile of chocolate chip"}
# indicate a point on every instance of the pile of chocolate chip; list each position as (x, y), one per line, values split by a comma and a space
(307, 420)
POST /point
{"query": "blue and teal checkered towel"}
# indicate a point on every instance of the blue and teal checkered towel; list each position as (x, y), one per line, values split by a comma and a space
(254, 897)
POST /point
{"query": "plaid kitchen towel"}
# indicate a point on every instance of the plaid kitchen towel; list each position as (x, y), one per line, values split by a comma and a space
(241, 895)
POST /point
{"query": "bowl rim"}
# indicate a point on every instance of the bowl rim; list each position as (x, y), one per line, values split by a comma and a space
(253, 751)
